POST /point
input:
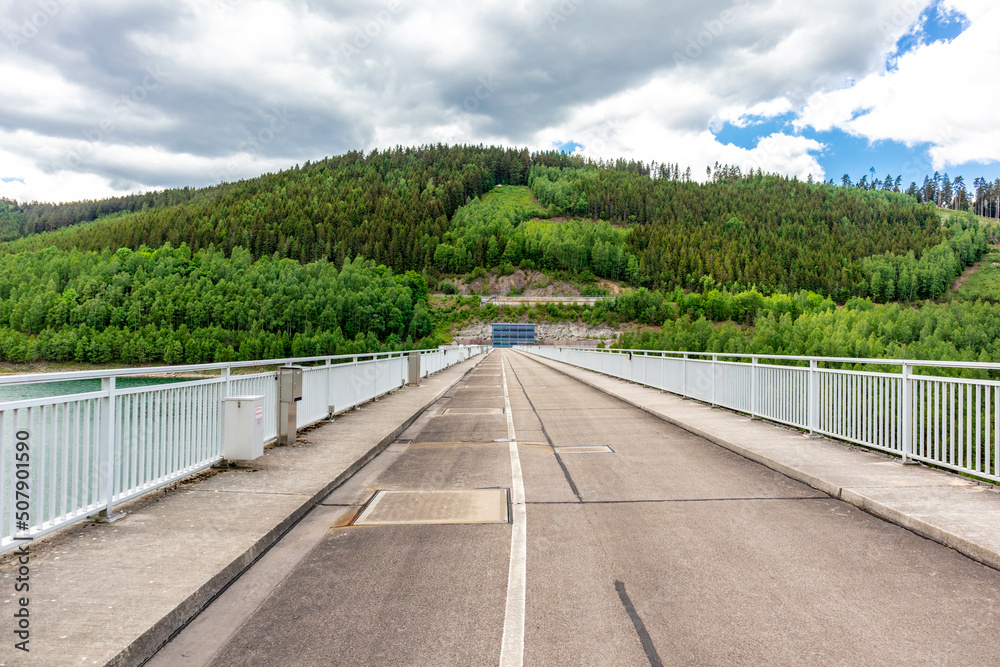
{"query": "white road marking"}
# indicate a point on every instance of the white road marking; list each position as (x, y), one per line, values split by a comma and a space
(512, 650)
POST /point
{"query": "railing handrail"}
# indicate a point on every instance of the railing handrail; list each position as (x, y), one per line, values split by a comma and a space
(61, 376)
(925, 363)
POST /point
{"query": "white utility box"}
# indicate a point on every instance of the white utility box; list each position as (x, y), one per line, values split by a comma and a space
(243, 428)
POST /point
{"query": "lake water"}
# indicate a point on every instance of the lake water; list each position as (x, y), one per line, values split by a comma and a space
(19, 392)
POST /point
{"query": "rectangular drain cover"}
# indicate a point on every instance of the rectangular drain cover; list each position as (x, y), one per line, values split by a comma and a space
(389, 508)
(585, 449)
(472, 411)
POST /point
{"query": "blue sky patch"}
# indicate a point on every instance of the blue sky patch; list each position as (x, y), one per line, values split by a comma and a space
(566, 147)
(748, 135)
(855, 156)
(935, 24)
(11, 179)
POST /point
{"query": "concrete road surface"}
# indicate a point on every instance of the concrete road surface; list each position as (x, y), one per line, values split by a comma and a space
(636, 543)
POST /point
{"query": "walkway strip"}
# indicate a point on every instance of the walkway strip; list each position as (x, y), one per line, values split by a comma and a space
(512, 649)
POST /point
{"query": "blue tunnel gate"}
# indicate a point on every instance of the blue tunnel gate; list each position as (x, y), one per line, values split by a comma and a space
(509, 335)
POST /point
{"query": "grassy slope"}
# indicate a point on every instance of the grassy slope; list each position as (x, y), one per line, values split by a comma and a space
(984, 282)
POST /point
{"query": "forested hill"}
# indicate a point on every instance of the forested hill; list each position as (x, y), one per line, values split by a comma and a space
(771, 232)
(337, 256)
(175, 306)
(23, 219)
(663, 230)
(387, 206)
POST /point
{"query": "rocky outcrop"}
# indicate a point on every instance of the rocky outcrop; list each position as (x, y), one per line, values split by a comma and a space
(526, 283)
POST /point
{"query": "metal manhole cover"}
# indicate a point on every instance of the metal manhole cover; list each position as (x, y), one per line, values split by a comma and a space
(388, 508)
(585, 449)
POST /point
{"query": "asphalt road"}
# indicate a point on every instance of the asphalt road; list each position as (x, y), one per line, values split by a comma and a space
(666, 550)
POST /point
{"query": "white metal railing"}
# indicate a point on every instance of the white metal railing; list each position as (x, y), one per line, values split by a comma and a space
(70, 456)
(948, 422)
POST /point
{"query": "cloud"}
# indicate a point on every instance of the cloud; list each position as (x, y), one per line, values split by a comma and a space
(934, 94)
(936, 23)
(666, 120)
(106, 97)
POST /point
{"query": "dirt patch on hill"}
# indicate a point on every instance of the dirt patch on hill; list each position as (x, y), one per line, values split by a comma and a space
(527, 283)
(964, 278)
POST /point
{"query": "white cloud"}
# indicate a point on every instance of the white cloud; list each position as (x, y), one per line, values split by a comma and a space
(40, 186)
(378, 73)
(742, 116)
(940, 93)
(108, 169)
(635, 124)
(40, 91)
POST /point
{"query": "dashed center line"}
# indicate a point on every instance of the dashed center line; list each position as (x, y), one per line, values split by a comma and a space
(562, 464)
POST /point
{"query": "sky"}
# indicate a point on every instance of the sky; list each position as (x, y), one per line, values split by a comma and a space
(106, 97)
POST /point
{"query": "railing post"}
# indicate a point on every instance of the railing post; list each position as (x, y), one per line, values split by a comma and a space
(227, 391)
(355, 400)
(906, 421)
(329, 387)
(684, 386)
(715, 359)
(813, 399)
(106, 472)
(753, 387)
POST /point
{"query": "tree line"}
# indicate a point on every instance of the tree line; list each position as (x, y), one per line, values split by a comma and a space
(771, 232)
(271, 267)
(175, 306)
(389, 206)
(26, 218)
(957, 331)
(399, 207)
(940, 190)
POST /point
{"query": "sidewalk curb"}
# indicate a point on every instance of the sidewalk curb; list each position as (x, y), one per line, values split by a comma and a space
(923, 529)
(851, 497)
(148, 643)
